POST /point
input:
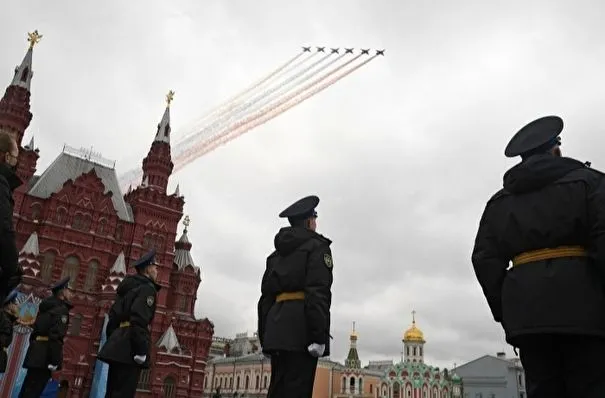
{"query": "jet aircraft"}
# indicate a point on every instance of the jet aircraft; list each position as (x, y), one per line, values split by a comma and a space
(334, 50)
(380, 52)
(365, 51)
(320, 49)
(349, 50)
(306, 49)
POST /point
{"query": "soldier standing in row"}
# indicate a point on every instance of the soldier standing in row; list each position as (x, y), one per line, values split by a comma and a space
(294, 308)
(128, 344)
(45, 352)
(549, 221)
(8, 317)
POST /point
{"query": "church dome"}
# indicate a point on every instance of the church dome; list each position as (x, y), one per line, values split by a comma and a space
(413, 334)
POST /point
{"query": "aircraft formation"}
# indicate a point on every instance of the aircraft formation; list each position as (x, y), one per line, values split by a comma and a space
(364, 51)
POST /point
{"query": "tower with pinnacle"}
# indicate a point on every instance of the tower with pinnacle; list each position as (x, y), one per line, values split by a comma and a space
(413, 343)
(157, 213)
(352, 361)
(15, 116)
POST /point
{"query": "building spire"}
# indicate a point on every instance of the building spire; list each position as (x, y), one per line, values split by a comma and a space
(157, 165)
(163, 133)
(352, 361)
(23, 73)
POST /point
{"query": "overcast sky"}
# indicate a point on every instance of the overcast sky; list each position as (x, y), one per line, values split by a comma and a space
(403, 153)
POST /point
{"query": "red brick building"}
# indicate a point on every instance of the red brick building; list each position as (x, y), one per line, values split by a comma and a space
(72, 219)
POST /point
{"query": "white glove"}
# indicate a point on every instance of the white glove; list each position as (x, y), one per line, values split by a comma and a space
(52, 368)
(140, 359)
(316, 350)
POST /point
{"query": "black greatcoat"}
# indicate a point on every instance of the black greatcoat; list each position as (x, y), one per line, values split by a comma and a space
(10, 271)
(135, 303)
(52, 322)
(546, 202)
(302, 261)
(6, 337)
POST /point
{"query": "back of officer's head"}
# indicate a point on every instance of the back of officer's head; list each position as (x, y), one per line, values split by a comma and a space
(309, 223)
(550, 149)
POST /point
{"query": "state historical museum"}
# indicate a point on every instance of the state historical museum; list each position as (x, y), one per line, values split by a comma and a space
(72, 219)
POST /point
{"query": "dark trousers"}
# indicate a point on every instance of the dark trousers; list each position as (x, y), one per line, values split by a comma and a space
(563, 366)
(122, 380)
(292, 375)
(34, 383)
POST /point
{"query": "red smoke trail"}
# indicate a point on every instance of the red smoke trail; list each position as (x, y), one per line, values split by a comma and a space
(263, 118)
(227, 105)
(235, 109)
(226, 120)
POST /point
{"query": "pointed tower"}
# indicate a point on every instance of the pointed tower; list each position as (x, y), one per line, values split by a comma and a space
(185, 277)
(15, 114)
(115, 276)
(169, 341)
(352, 361)
(157, 166)
(413, 343)
(28, 259)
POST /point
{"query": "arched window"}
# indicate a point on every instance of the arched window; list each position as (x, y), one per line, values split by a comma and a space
(75, 324)
(102, 227)
(119, 232)
(352, 384)
(71, 268)
(143, 383)
(237, 383)
(169, 387)
(183, 304)
(36, 211)
(24, 74)
(247, 385)
(396, 388)
(257, 382)
(344, 384)
(61, 215)
(91, 275)
(360, 385)
(46, 273)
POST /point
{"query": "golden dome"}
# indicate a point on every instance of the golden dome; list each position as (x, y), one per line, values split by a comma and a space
(413, 334)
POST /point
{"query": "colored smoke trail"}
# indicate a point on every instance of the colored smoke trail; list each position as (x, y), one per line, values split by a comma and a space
(230, 110)
(267, 98)
(227, 105)
(218, 123)
(271, 113)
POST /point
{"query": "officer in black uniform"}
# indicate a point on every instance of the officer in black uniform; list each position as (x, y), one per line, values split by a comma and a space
(294, 308)
(8, 317)
(45, 352)
(549, 222)
(128, 344)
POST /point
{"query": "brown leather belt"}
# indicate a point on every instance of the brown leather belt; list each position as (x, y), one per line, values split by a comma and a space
(290, 296)
(547, 254)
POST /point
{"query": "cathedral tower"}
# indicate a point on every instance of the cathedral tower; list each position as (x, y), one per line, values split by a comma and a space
(157, 166)
(413, 343)
(352, 361)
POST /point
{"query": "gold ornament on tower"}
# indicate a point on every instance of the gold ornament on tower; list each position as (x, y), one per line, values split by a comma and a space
(413, 334)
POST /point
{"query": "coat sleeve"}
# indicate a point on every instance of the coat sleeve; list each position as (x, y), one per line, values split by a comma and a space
(266, 301)
(318, 294)
(489, 265)
(10, 276)
(141, 314)
(596, 220)
(56, 334)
